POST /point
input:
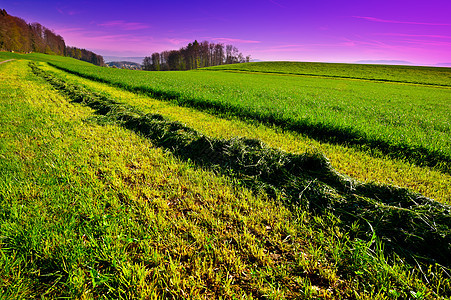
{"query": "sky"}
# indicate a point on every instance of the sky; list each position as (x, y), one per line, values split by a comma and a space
(305, 30)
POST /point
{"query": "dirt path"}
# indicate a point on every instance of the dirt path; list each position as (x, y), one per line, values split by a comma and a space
(1, 62)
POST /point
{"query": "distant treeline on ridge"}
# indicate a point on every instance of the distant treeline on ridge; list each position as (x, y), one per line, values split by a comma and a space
(195, 55)
(17, 35)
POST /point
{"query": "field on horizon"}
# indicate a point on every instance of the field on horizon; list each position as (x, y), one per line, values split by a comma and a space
(321, 181)
(384, 73)
(399, 120)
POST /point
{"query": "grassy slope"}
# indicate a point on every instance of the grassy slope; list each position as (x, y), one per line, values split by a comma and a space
(94, 210)
(412, 74)
(43, 57)
(305, 179)
(185, 142)
(348, 161)
(402, 121)
(117, 197)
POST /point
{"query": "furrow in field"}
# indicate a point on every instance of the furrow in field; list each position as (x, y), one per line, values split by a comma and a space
(400, 218)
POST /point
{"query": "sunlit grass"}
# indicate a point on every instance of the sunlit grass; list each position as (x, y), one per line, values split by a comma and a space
(404, 121)
(96, 211)
(352, 162)
(403, 74)
(42, 57)
(396, 214)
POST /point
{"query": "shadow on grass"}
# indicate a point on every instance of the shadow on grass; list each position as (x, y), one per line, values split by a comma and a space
(417, 228)
(327, 133)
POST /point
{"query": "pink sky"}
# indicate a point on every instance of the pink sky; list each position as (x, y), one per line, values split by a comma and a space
(323, 30)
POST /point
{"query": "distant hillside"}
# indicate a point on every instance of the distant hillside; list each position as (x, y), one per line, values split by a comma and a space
(19, 36)
(124, 65)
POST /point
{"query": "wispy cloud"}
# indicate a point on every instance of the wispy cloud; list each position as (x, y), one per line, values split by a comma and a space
(238, 41)
(66, 30)
(416, 35)
(276, 3)
(429, 43)
(67, 12)
(359, 43)
(397, 47)
(400, 22)
(283, 48)
(123, 25)
(292, 48)
(175, 41)
(112, 38)
(105, 42)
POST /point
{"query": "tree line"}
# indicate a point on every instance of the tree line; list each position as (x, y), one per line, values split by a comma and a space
(17, 35)
(194, 55)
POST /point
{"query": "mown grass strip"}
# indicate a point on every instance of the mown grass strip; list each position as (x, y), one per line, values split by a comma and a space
(320, 131)
(91, 211)
(244, 70)
(411, 225)
(434, 76)
(349, 161)
(119, 218)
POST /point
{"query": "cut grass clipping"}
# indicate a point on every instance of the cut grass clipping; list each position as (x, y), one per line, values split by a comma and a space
(411, 225)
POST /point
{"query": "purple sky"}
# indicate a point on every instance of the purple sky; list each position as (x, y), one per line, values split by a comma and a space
(303, 30)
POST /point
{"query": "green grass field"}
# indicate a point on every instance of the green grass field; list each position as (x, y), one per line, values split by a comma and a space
(42, 57)
(403, 121)
(106, 193)
(402, 74)
(352, 162)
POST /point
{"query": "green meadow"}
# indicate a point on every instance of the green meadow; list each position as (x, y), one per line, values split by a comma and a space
(404, 121)
(400, 74)
(41, 57)
(362, 165)
(216, 184)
